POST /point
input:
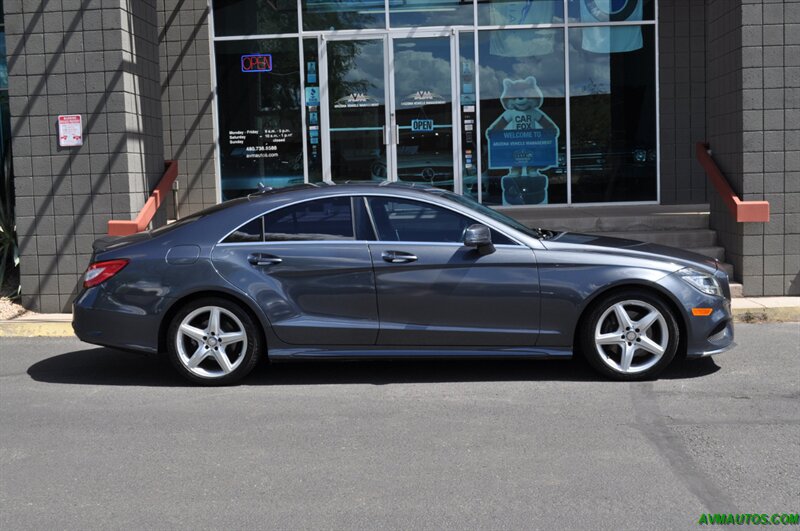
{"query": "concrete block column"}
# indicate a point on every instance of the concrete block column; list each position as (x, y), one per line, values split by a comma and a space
(753, 126)
(99, 59)
(187, 101)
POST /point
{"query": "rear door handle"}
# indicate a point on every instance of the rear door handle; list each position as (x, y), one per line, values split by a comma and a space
(259, 259)
(398, 257)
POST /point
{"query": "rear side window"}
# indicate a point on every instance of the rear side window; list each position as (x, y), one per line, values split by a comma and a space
(323, 219)
(252, 231)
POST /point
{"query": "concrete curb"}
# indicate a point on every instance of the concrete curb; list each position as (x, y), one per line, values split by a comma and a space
(62, 327)
(31, 328)
(786, 314)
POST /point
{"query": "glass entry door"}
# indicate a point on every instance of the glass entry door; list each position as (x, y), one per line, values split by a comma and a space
(388, 101)
(354, 100)
(423, 87)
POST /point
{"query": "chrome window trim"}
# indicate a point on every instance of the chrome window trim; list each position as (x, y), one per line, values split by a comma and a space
(366, 242)
(490, 223)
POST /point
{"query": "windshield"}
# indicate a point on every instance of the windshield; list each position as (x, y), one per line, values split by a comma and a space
(491, 213)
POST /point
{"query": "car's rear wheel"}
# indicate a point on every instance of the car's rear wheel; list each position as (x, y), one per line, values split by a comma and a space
(213, 342)
(630, 335)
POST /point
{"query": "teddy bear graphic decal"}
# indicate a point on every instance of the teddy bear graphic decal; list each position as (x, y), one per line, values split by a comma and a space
(524, 140)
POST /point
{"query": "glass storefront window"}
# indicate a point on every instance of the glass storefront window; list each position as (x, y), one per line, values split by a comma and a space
(613, 114)
(519, 12)
(424, 111)
(258, 86)
(419, 98)
(329, 15)
(469, 114)
(594, 11)
(523, 116)
(314, 118)
(357, 109)
(416, 13)
(254, 17)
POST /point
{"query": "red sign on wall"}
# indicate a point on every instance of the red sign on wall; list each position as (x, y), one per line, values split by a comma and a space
(260, 62)
(70, 130)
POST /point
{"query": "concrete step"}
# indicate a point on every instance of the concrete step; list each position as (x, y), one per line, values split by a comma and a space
(736, 290)
(681, 226)
(683, 239)
(612, 219)
(621, 223)
(728, 268)
(712, 252)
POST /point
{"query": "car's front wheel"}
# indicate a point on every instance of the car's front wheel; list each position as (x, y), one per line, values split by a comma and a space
(213, 342)
(630, 335)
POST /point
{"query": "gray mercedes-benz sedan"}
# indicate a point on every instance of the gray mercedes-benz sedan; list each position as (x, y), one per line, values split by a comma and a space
(389, 270)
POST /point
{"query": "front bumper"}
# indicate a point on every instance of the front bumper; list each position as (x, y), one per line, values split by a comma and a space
(704, 335)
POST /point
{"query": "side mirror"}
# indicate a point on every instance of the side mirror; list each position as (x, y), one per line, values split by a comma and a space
(480, 237)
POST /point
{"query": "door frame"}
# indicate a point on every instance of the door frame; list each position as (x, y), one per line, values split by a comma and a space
(390, 127)
(324, 103)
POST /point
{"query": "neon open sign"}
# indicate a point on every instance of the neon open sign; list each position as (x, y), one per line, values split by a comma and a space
(259, 62)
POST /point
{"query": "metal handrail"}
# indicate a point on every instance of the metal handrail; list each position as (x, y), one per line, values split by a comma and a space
(743, 211)
(145, 216)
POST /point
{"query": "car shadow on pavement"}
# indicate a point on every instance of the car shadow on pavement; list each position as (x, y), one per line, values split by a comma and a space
(104, 366)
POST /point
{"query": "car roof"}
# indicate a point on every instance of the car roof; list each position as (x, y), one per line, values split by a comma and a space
(311, 190)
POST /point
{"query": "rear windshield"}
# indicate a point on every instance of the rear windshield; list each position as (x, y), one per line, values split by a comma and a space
(224, 205)
(194, 217)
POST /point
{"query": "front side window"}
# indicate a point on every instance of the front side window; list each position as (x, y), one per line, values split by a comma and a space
(322, 219)
(411, 221)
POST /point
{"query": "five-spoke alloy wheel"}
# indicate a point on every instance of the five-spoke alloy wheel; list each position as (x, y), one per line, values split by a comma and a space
(630, 335)
(213, 342)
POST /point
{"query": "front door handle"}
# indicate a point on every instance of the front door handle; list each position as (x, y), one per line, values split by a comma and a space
(398, 257)
(259, 259)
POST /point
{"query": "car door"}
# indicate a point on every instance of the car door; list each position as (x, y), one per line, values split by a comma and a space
(434, 291)
(309, 270)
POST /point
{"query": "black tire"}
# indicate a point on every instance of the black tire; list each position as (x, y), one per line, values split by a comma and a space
(233, 321)
(637, 304)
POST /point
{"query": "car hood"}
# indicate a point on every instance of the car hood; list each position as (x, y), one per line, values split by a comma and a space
(623, 247)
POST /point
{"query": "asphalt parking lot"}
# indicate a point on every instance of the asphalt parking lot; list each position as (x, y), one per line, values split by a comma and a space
(95, 439)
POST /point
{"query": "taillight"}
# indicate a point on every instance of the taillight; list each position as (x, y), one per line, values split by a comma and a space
(99, 272)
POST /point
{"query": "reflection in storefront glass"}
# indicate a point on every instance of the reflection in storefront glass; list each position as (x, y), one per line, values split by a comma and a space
(424, 111)
(314, 119)
(3, 63)
(357, 106)
(413, 13)
(254, 17)
(518, 12)
(469, 114)
(613, 114)
(521, 140)
(327, 15)
(594, 11)
(522, 116)
(259, 114)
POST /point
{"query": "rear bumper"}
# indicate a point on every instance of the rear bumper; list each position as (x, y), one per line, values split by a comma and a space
(123, 328)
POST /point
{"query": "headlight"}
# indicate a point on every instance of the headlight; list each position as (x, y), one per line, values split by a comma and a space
(702, 281)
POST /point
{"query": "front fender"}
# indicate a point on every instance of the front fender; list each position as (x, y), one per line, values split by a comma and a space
(571, 281)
